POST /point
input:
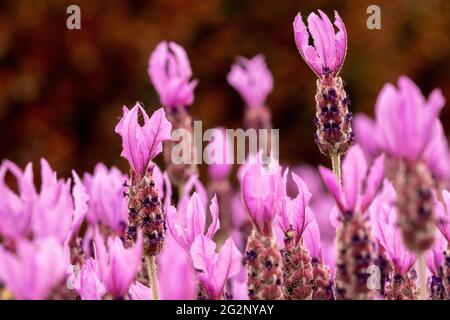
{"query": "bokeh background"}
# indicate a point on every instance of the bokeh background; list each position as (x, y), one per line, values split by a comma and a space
(62, 91)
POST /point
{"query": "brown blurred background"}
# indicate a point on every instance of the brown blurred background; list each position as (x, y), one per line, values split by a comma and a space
(62, 91)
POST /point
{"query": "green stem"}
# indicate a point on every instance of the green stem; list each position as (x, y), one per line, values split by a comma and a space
(422, 277)
(152, 278)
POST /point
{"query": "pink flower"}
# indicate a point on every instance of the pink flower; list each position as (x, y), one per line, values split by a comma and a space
(252, 79)
(35, 269)
(190, 221)
(215, 269)
(442, 213)
(176, 277)
(311, 237)
(170, 73)
(138, 291)
(55, 214)
(220, 155)
(437, 153)
(329, 50)
(352, 198)
(15, 209)
(107, 204)
(142, 143)
(434, 258)
(118, 266)
(88, 283)
(295, 214)
(406, 119)
(390, 237)
(262, 190)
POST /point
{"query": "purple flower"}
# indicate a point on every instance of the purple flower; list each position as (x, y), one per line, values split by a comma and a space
(295, 214)
(170, 73)
(34, 270)
(53, 211)
(311, 237)
(15, 209)
(437, 153)
(215, 269)
(87, 283)
(252, 79)
(176, 277)
(352, 198)
(186, 224)
(107, 205)
(405, 119)
(142, 143)
(220, 155)
(434, 258)
(262, 191)
(329, 50)
(367, 135)
(442, 213)
(390, 237)
(118, 266)
(138, 291)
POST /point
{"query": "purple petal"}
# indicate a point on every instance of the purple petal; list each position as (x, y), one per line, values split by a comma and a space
(354, 168)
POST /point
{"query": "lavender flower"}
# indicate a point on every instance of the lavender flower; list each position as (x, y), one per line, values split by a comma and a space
(407, 121)
(186, 225)
(354, 243)
(34, 270)
(253, 80)
(434, 259)
(170, 73)
(214, 269)
(117, 265)
(261, 192)
(140, 145)
(295, 215)
(333, 120)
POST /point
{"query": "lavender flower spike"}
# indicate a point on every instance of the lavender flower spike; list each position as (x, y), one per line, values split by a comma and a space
(214, 269)
(354, 243)
(262, 192)
(334, 134)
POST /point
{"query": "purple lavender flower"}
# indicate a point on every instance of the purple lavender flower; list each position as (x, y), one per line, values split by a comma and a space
(252, 79)
(354, 243)
(35, 269)
(329, 50)
(214, 269)
(117, 265)
(87, 283)
(107, 205)
(185, 225)
(170, 72)
(142, 143)
(334, 134)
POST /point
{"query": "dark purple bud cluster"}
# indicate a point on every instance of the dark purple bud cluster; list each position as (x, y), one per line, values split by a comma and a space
(334, 133)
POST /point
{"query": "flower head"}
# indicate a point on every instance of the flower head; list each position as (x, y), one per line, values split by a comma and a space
(405, 119)
(215, 269)
(261, 191)
(295, 215)
(328, 52)
(170, 73)
(118, 266)
(34, 270)
(252, 79)
(434, 258)
(142, 143)
(352, 198)
(16, 209)
(390, 237)
(107, 205)
(186, 224)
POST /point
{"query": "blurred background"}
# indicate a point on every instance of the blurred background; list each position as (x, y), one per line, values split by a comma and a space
(62, 91)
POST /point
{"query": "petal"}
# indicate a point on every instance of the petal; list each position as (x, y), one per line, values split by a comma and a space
(354, 168)
(373, 182)
(330, 181)
(215, 224)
